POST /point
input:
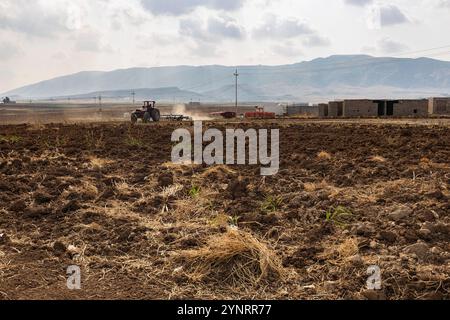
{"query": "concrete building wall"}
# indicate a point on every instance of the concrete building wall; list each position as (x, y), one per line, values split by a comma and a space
(302, 110)
(323, 110)
(439, 106)
(335, 109)
(385, 108)
(406, 108)
(360, 108)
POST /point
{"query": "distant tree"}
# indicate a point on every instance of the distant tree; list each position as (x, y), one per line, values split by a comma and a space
(6, 100)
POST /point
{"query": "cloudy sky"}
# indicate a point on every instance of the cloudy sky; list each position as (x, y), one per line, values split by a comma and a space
(42, 39)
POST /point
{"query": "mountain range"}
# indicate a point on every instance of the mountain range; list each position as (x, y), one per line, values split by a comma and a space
(334, 77)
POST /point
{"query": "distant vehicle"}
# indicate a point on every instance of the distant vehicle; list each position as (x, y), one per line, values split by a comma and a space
(7, 100)
(147, 113)
(225, 114)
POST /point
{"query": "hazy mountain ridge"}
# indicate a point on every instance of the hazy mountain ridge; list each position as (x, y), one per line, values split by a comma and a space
(169, 93)
(353, 75)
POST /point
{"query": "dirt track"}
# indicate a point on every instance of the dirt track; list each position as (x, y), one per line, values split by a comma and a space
(93, 195)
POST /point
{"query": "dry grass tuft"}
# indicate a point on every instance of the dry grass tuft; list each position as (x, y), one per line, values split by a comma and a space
(339, 253)
(168, 193)
(171, 191)
(428, 164)
(348, 248)
(218, 171)
(200, 205)
(98, 163)
(172, 165)
(122, 187)
(379, 159)
(315, 186)
(86, 190)
(323, 155)
(4, 264)
(236, 258)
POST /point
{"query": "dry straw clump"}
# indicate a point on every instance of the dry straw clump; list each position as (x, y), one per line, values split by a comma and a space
(378, 159)
(235, 257)
(98, 163)
(218, 172)
(323, 155)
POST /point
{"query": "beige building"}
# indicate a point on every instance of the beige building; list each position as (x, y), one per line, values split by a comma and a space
(375, 108)
(439, 106)
(416, 108)
(360, 108)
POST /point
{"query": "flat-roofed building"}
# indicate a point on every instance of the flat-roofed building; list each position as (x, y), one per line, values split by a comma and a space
(439, 106)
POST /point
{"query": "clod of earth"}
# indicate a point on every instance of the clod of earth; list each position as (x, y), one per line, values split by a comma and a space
(237, 189)
(165, 179)
(421, 250)
(388, 236)
(59, 248)
(400, 214)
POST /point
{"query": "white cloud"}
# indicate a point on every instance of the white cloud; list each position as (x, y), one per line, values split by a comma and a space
(179, 7)
(282, 28)
(90, 40)
(214, 28)
(385, 15)
(316, 41)
(225, 27)
(386, 46)
(444, 4)
(35, 18)
(359, 3)
(9, 51)
(288, 49)
(389, 46)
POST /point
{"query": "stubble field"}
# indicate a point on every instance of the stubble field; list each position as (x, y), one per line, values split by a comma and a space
(107, 198)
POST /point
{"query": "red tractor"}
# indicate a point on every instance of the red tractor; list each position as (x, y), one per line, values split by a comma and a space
(147, 113)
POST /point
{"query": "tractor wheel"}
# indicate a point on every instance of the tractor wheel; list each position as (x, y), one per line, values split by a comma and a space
(147, 117)
(134, 118)
(156, 115)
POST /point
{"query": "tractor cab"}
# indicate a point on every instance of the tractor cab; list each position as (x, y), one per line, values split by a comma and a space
(148, 105)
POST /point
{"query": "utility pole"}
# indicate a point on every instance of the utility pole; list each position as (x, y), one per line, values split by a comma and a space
(236, 74)
(134, 95)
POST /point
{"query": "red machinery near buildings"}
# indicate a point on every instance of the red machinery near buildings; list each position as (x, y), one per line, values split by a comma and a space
(259, 113)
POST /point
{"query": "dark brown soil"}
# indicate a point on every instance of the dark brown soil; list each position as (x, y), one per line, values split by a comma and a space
(100, 196)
